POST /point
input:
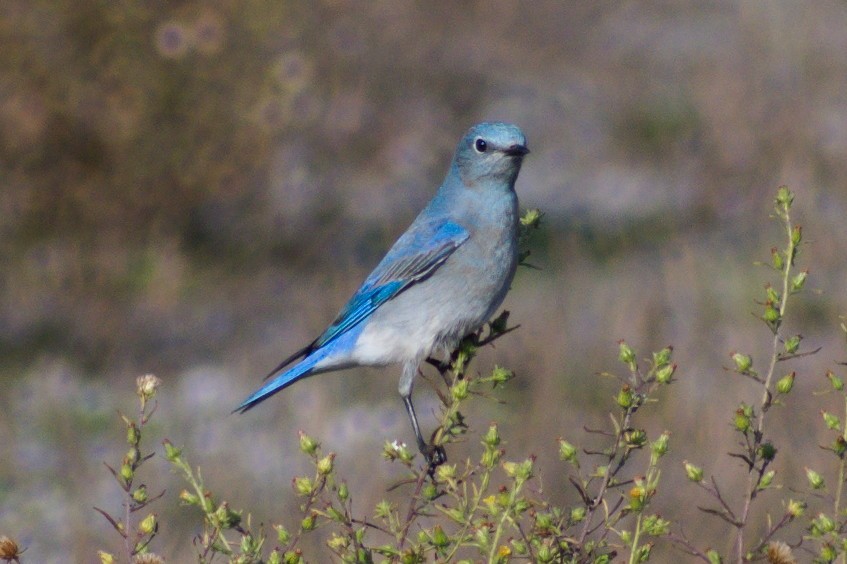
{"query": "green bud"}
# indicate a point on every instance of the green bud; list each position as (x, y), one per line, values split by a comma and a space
(636, 438)
(531, 217)
(490, 457)
(226, 517)
(665, 374)
(446, 472)
(663, 357)
(831, 421)
(543, 521)
(520, 547)
(324, 465)
(459, 391)
(492, 437)
(282, 535)
(105, 557)
(429, 491)
(525, 469)
(767, 479)
(577, 514)
(796, 235)
(275, 557)
(642, 554)
(792, 344)
(423, 537)
(292, 557)
(655, 526)
(626, 355)
(694, 473)
(784, 197)
(784, 384)
(303, 485)
(188, 498)
(126, 473)
(816, 481)
(148, 524)
(308, 523)
(799, 281)
(501, 375)
(567, 451)
(743, 362)
(828, 552)
(771, 294)
(337, 543)
(776, 259)
(140, 494)
(307, 444)
(521, 471)
(343, 491)
(171, 452)
(659, 447)
(836, 382)
(248, 544)
(796, 508)
(771, 315)
(713, 556)
(439, 537)
(383, 509)
(767, 451)
(825, 523)
(625, 397)
(741, 421)
(131, 456)
(133, 435)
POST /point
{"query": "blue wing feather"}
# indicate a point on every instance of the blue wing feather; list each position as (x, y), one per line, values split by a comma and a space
(406, 263)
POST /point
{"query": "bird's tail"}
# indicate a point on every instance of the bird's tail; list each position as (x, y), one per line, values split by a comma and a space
(280, 380)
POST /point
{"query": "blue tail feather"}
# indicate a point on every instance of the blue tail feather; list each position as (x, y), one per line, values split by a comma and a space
(278, 381)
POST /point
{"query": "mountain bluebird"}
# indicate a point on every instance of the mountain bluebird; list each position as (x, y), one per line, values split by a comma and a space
(442, 279)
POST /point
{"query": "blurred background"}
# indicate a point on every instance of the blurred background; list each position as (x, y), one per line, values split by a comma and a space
(194, 189)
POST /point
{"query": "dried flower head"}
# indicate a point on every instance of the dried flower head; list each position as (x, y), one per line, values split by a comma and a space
(9, 550)
(780, 553)
(147, 385)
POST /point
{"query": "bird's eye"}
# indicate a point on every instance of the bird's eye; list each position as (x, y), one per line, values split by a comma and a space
(480, 145)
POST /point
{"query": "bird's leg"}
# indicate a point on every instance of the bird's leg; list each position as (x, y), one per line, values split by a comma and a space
(434, 454)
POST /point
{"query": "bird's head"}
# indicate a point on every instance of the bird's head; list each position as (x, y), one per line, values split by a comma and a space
(490, 151)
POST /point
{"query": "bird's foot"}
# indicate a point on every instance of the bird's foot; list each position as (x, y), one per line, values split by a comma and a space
(435, 456)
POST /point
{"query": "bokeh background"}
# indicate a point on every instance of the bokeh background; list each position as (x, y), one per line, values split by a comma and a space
(194, 189)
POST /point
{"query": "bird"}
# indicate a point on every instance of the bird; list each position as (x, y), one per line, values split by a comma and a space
(443, 279)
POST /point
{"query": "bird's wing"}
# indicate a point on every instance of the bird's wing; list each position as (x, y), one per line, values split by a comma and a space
(415, 256)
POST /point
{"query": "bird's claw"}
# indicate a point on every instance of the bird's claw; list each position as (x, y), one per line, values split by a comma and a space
(435, 456)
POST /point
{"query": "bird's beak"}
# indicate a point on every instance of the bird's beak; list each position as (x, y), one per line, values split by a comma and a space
(517, 151)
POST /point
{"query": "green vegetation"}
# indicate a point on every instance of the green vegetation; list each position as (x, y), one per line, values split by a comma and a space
(493, 507)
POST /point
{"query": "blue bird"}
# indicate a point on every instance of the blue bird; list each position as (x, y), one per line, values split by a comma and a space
(442, 280)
